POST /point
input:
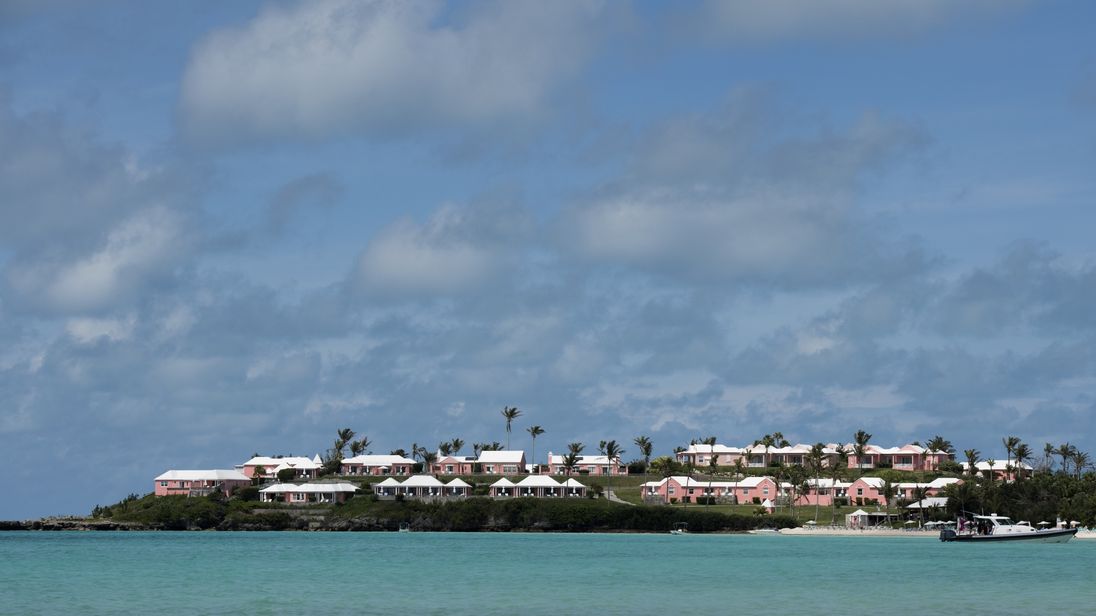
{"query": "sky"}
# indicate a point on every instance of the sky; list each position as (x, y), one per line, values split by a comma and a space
(230, 228)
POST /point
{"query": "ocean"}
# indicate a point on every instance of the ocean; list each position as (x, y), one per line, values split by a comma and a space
(529, 573)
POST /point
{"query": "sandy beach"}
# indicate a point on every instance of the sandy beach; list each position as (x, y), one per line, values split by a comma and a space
(853, 532)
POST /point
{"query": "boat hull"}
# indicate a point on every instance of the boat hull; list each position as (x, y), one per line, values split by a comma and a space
(1040, 536)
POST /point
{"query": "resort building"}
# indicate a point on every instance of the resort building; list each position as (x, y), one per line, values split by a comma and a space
(502, 488)
(823, 490)
(199, 483)
(587, 465)
(537, 486)
(453, 465)
(686, 490)
(308, 493)
(502, 462)
(422, 487)
(377, 465)
(1003, 470)
(907, 457)
(266, 467)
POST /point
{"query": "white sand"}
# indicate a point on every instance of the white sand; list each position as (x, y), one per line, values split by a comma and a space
(867, 532)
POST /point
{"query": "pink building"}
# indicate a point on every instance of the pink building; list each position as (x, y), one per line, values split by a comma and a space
(687, 489)
(824, 492)
(308, 493)
(1003, 470)
(377, 465)
(502, 462)
(453, 465)
(268, 467)
(905, 458)
(587, 465)
(199, 483)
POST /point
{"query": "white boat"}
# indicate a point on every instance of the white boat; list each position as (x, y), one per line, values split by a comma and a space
(681, 528)
(763, 531)
(993, 527)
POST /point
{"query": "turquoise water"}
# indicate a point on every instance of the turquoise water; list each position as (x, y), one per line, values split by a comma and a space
(512, 573)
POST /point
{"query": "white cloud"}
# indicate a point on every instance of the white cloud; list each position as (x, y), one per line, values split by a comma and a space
(88, 330)
(322, 68)
(137, 250)
(457, 249)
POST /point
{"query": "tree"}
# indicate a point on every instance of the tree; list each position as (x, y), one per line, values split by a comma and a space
(445, 449)
(888, 492)
(360, 446)
(815, 459)
(939, 444)
(860, 448)
(739, 472)
(1066, 451)
(343, 440)
(1048, 457)
(713, 466)
(841, 464)
(570, 461)
(920, 493)
(1081, 461)
(510, 413)
(645, 448)
(1010, 443)
(1022, 453)
(972, 461)
(257, 474)
(456, 445)
(612, 451)
(534, 431)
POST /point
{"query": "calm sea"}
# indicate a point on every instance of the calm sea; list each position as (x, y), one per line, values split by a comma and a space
(440, 573)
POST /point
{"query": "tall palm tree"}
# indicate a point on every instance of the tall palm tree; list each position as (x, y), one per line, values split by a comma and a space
(1048, 457)
(920, 493)
(1081, 461)
(841, 464)
(612, 451)
(510, 413)
(713, 466)
(1066, 451)
(739, 473)
(815, 459)
(456, 445)
(941, 444)
(1022, 453)
(534, 431)
(860, 448)
(570, 461)
(344, 436)
(645, 448)
(360, 446)
(445, 449)
(1010, 443)
(972, 461)
(888, 492)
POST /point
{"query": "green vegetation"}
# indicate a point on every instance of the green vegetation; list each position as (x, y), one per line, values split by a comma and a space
(1042, 497)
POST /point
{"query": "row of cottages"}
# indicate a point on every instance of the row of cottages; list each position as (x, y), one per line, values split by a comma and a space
(907, 457)
(307, 493)
(199, 483)
(266, 467)
(587, 465)
(868, 489)
(377, 465)
(687, 489)
(538, 486)
(422, 487)
(501, 462)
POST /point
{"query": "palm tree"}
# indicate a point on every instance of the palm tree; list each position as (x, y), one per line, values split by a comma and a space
(1081, 461)
(941, 444)
(1010, 443)
(645, 448)
(1066, 451)
(344, 436)
(456, 445)
(1048, 457)
(713, 465)
(510, 413)
(920, 493)
(841, 463)
(360, 446)
(1022, 453)
(815, 459)
(612, 451)
(972, 461)
(534, 431)
(570, 461)
(888, 492)
(445, 449)
(739, 472)
(861, 439)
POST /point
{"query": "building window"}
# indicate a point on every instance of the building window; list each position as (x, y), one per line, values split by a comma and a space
(163, 484)
(672, 490)
(448, 468)
(859, 491)
(765, 491)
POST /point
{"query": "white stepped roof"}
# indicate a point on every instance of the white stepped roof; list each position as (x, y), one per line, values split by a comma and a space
(422, 481)
(311, 488)
(571, 483)
(503, 483)
(210, 475)
(378, 460)
(271, 462)
(501, 457)
(582, 460)
(458, 483)
(390, 482)
(689, 482)
(538, 481)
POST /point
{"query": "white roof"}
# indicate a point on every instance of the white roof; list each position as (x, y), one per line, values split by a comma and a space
(503, 483)
(571, 483)
(932, 502)
(501, 457)
(422, 481)
(582, 460)
(538, 481)
(998, 465)
(311, 488)
(689, 482)
(294, 461)
(210, 475)
(717, 449)
(378, 460)
(875, 482)
(391, 481)
(458, 483)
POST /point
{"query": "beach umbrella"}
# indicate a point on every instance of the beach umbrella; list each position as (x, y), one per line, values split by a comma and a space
(811, 522)
(908, 522)
(1044, 523)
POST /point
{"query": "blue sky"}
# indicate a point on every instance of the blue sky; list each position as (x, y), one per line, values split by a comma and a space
(229, 228)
